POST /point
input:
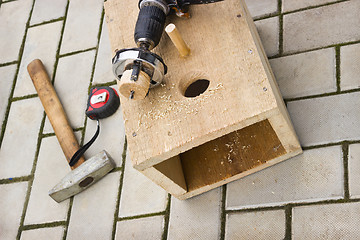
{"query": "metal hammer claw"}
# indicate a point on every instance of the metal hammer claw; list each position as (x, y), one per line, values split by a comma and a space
(84, 173)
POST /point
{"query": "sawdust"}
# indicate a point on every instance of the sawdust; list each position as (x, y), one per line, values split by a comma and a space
(166, 105)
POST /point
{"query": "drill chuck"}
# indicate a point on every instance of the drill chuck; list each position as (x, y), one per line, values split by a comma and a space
(149, 27)
(138, 69)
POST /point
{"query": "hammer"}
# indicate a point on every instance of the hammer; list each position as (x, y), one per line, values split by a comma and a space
(84, 173)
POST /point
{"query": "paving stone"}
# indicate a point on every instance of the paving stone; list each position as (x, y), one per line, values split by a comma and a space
(7, 77)
(13, 19)
(318, 27)
(313, 176)
(142, 228)
(354, 170)
(18, 148)
(42, 43)
(12, 196)
(71, 83)
(332, 221)
(139, 194)
(326, 119)
(94, 210)
(82, 25)
(350, 67)
(111, 137)
(197, 217)
(259, 8)
(255, 225)
(55, 233)
(46, 10)
(269, 34)
(51, 168)
(306, 74)
(291, 5)
(103, 68)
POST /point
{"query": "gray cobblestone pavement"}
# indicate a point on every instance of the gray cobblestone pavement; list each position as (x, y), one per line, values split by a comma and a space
(314, 50)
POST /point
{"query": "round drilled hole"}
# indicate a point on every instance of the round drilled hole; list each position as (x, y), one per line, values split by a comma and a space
(196, 88)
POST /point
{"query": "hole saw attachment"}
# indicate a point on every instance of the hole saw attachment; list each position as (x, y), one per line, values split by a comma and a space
(138, 69)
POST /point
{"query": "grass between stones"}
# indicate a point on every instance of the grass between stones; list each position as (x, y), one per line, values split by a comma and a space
(287, 207)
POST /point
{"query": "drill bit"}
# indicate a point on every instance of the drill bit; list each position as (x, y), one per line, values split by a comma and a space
(132, 94)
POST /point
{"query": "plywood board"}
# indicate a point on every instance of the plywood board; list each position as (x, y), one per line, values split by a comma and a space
(239, 93)
(238, 126)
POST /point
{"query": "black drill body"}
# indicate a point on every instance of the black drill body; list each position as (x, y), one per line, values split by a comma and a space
(151, 19)
(149, 28)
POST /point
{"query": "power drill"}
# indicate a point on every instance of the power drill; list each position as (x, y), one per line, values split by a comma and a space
(138, 69)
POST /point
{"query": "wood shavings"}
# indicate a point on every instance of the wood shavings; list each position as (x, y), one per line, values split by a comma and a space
(229, 158)
(165, 105)
(276, 148)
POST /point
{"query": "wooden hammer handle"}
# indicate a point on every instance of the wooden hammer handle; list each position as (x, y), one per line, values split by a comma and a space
(54, 110)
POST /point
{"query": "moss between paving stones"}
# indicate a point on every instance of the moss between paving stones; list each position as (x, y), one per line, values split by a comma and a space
(117, 208)
(288, 222)
(322, 95)
(279, 11)
(15, 180)
(281, 28)
(166, 219)
(256, 209)
(47, 22)
(142, 216)
(60, 41)
(46, 135)
(77, 52)
(330, 144)
(315, 49)
(288, 207)
(24, 97)
(281, 35)
(223, 212)
(68, 218)
(345, 150)
(108, 84)
(6, 1)
(315, 6)
(266, 16)
(8, 63)
(337, 68)
(44, 225)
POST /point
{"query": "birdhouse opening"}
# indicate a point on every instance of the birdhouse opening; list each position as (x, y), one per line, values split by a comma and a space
(220, 159)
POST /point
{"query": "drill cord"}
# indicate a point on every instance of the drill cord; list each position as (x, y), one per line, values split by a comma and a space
(75, 158)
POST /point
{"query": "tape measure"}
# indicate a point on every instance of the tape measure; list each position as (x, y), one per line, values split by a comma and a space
(102, 102)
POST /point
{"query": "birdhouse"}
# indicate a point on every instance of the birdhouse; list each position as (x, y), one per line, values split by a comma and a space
(218, 115)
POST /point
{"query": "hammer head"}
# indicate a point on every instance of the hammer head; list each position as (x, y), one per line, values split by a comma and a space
(82, 177)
